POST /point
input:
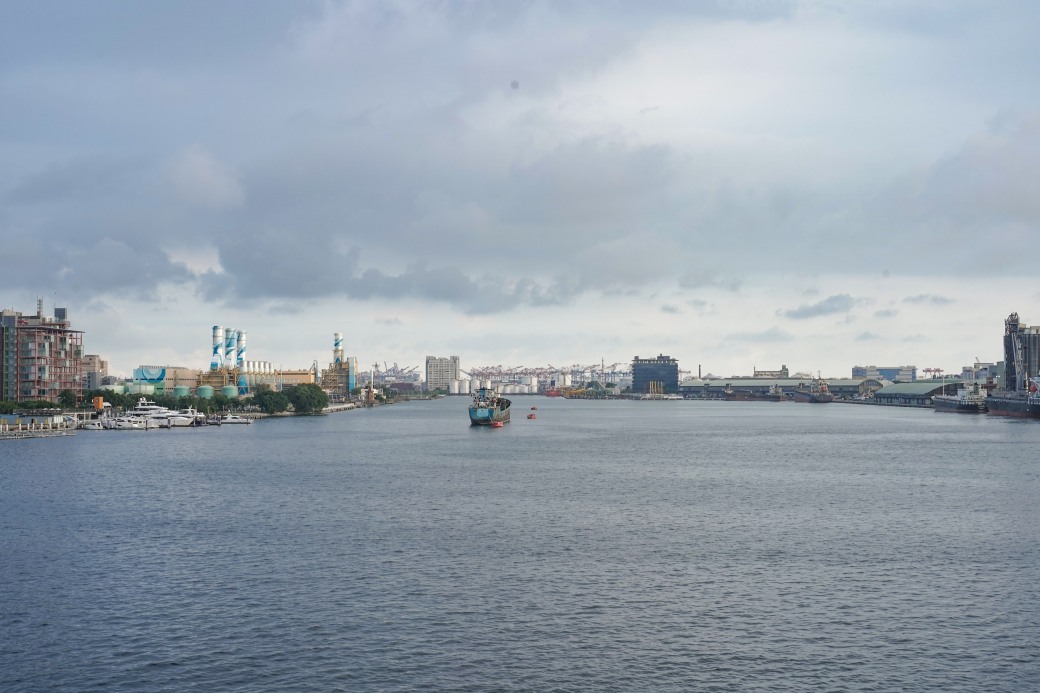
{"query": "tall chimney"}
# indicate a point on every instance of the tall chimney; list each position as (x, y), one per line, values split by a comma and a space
(218, 348)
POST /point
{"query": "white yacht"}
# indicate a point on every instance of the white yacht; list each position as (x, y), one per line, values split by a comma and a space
(147, 409)
(126, 423)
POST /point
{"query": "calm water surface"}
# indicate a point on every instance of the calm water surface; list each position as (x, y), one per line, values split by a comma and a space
(605, 546)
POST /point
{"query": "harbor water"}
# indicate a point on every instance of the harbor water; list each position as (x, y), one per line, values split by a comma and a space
(603, 546)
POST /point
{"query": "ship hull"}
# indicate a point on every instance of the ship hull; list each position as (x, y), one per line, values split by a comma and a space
(812, 397)
(958, 406)
(485, 416)
(1021, 407)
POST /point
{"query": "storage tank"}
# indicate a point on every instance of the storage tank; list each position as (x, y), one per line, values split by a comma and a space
(464, 386)
(116, 388)
(453, 387)
(142, 389)
(181, 390)
(229, 391)
(205, 391)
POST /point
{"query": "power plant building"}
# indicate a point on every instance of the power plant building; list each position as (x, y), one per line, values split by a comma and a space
(340, 378)
(657, 376)
(40, 356)
(441, 372)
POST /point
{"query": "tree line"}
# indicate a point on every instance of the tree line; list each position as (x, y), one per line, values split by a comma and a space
(305, 398)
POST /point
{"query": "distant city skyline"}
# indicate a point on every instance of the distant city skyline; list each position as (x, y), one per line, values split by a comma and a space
(736, 185)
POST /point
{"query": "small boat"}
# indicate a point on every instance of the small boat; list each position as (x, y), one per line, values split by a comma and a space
(532, 416)
(94, 425)
(235, 419)
(534, 408)
(497, 424)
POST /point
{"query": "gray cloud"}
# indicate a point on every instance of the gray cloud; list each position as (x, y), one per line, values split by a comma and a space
(867, 337)
(832, 305)
(929, 298)
(83, 177)
(277, 154)
(671, 309)
(697, 279)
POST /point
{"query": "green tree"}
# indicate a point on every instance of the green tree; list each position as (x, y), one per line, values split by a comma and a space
(67, 399)
(307, 398)
(269, 401)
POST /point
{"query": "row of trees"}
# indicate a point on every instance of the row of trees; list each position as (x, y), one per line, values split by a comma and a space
(32, 405)
(304, 399)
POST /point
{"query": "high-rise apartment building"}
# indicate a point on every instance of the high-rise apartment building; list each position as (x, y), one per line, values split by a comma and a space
(39, 356)
(440, 372)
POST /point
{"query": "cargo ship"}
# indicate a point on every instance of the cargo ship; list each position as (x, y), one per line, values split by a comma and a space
(488, 408)
(968, 400)
(1021, 404)
(774, 394)
(815, 392)
(1021, 394)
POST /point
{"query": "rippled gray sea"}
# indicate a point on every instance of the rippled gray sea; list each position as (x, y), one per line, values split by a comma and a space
(604, 546)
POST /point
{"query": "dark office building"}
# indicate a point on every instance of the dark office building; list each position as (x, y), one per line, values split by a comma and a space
(659, 376)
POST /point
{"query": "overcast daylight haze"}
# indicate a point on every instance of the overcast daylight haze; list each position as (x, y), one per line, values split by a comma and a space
(736, 183)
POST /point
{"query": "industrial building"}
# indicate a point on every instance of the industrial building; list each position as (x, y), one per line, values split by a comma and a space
(40, 356)
(441, 372)
(340, 378)
(895, 374)
(1021, 353)
(841, 388)
(916, 394)
(230, 373)
(656, 376)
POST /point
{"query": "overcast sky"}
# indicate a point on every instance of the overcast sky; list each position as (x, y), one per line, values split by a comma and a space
(735, 183)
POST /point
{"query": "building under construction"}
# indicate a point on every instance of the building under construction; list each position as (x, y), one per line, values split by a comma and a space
(340, 378)
(40, 356)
